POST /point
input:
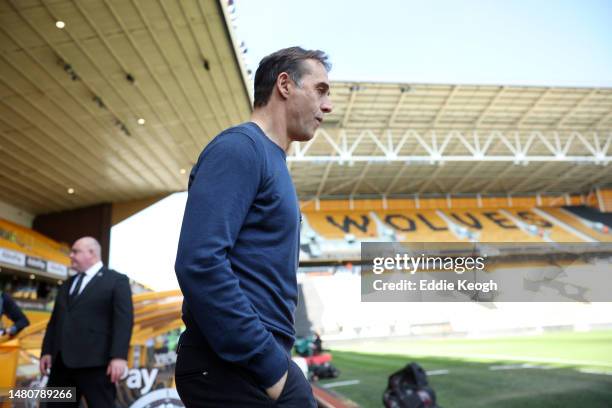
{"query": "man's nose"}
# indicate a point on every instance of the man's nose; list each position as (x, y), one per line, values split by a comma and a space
(327, 106)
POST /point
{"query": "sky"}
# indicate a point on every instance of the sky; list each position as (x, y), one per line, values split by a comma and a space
(501, 42)
(511, 42)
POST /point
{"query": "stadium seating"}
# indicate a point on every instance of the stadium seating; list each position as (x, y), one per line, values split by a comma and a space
(418, 226)
(548, 228)
(577, 223)
(30, 242)
(338, 224)
(496, 225)
(337, 230)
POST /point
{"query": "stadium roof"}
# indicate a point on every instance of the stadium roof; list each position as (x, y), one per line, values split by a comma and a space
(72, 98)
(395, 139)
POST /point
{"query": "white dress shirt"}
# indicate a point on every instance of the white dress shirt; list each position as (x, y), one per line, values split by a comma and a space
(89, 274)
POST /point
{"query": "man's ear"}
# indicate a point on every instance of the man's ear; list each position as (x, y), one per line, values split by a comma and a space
(283, 82)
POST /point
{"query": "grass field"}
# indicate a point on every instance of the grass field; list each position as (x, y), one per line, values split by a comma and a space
(551, 370)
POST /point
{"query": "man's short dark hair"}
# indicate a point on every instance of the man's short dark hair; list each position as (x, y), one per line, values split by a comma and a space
(287, 60)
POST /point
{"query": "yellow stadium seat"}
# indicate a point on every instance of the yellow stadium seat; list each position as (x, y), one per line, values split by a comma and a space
(337, 224)
(418, 226)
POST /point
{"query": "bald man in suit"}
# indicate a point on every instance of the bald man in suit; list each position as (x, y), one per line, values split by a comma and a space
(88, 335)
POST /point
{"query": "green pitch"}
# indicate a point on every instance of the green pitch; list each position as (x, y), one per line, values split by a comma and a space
(552, 370)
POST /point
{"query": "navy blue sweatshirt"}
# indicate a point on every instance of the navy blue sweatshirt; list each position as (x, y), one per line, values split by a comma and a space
(9, 308)
(238, 252)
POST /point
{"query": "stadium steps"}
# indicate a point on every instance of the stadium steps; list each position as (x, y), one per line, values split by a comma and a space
(553, 230)
(503, 229)
(574, 222)
(580, 236)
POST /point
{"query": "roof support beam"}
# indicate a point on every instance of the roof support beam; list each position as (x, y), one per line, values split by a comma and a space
(557, 181)
(530, 180)
(457, 187)
(447, 101)
(602, 120)
(604, 172)
(528, 112)
(349, 106)
(360, 178)
(500, 176)
(341, 135)
(483, 114)
(397, 107)
(509, 148)
(396, 178)
(432, 179)
(569, 113)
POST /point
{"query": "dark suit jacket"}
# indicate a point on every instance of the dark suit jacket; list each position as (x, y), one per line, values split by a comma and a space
(96, 326)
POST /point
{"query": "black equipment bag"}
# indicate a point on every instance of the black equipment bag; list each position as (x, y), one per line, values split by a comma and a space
(409, 388)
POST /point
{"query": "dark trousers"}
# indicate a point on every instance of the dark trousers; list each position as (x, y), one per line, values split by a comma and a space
(204, 380)
(91, 382)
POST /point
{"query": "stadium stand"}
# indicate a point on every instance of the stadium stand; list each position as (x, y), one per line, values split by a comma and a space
(594, 218)
(578, 224)
(25, 240)
(501, 224)
(339, 224)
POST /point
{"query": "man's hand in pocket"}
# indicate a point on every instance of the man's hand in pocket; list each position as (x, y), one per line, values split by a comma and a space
(275, 391)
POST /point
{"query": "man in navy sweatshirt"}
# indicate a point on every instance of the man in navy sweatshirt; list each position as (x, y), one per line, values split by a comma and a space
(238, 251)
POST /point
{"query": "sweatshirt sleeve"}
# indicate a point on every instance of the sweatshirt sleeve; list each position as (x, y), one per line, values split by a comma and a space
(20, 321)
(223, 185)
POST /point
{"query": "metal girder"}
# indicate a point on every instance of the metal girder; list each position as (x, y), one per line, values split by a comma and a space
(499, 177)
(397, 107)
(349, 106)
(432, 179)
(564, 177)
(530, 180)
(328, 167)
(340, 186)
(447, 101)
(396, 178)
(602, 120)
(605, 171)
(575, 107)
(533, 107)
(491, 104)
(517, 150)
(360, 178)
(468, 176)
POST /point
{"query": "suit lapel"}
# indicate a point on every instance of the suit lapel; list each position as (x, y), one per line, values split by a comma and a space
(93, 282)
